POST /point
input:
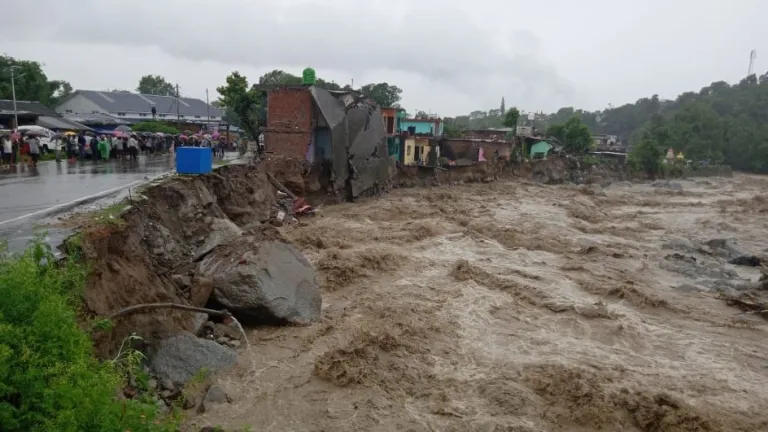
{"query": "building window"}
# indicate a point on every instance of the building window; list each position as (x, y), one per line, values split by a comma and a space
(162, 115)
(197, 116)
(142, 114)
(121, 114)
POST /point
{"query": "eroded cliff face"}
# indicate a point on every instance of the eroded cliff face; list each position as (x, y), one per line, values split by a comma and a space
(149, 254)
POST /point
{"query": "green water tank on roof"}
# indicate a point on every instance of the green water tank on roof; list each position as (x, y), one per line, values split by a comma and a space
(308, 77)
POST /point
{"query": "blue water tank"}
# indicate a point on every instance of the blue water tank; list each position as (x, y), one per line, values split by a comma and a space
(194, 160)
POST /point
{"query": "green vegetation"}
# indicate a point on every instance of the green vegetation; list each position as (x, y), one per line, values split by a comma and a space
(49, 379)
(574, 135)
(722, 123)
(156, 126)
(31, 82)
(156, 85)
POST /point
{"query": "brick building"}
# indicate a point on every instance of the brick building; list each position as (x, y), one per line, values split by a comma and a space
(341, 130)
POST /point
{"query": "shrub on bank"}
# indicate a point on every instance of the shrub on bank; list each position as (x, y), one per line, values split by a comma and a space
(49, 379)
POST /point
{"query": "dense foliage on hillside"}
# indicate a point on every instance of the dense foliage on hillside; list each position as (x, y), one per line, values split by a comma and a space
(720, 123)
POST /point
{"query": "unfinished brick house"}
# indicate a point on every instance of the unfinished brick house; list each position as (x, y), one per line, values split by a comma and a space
(341, 131)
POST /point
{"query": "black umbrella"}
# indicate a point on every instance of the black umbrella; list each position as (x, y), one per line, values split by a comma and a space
(123, 128)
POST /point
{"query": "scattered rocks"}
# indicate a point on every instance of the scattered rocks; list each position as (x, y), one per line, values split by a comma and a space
(222, 232)
(214, 396)
(180, 357)
(263, 281)
(181, 281)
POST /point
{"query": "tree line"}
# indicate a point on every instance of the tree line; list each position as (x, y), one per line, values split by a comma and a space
(721, 123)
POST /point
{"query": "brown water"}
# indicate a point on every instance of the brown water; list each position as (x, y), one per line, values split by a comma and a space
(513, 307)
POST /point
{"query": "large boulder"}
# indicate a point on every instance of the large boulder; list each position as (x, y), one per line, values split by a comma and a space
(180, 357)
(262, 280)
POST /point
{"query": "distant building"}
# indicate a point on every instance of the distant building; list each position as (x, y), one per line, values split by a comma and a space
(492, 134)
(134, 107)
(35, 113)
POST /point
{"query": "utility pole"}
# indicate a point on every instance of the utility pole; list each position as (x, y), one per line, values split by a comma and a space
(178, 116)
(208, 105)
(13, 92)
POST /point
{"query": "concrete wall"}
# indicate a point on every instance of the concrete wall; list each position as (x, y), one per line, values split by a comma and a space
(423, 126)
(414, 143)
(289, 122)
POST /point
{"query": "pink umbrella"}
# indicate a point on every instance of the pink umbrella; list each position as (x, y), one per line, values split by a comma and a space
(120, 134)
(216, 135)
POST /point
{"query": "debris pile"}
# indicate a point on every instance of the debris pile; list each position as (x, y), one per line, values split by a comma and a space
(203, 241)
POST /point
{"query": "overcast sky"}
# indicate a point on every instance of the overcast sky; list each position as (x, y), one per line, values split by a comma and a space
(449, 57)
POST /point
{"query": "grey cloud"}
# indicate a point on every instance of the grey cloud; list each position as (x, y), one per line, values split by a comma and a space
(434, 39)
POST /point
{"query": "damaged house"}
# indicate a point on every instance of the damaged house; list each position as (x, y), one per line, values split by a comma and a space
(422, 141)
(342, 132)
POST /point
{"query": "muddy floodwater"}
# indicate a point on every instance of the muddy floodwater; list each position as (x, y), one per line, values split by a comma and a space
(516, 306)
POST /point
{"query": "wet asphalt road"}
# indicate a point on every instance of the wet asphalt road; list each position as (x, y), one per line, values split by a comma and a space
(29, 195)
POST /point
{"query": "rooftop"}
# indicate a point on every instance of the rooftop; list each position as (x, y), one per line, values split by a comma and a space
(28, 107)
(142, 103)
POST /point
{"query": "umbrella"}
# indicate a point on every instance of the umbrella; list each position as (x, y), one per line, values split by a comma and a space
(123, 128)
(119, 134)
(183, 137)
(6, 132)
(188, 132)
(69, 133)
(216, 135)
(160, 134)
(90, 133)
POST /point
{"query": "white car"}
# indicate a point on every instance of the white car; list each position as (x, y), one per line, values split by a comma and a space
(47, 143)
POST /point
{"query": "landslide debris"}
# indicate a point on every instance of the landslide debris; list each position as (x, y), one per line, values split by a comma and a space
(196, 241)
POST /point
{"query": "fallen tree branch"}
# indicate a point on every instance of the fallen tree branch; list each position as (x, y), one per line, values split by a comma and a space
(151, 306)
(279, 186)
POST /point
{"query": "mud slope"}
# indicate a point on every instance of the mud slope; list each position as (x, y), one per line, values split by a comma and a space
(517, 307)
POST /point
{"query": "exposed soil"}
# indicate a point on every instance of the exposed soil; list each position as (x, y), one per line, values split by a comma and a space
(514, 306)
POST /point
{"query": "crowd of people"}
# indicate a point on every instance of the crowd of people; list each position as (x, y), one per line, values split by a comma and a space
(16, 148)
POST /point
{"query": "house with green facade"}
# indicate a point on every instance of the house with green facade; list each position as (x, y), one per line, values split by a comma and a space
(540, 150)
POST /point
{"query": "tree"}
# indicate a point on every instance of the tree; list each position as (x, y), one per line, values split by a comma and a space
(421, 115)
(384, 94)
(243, 101)
(573, 134)
(650, 146)
(279, 77)
(59, 91)
(30, 81)
(510, 119)
(156, 85)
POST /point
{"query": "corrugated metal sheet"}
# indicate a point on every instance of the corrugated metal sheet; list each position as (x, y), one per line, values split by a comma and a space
(142, 103)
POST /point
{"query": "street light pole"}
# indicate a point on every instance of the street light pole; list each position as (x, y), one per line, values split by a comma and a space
(13, 92)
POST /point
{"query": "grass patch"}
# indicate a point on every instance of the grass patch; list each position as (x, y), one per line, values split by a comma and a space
(111, 214)
(49, 379)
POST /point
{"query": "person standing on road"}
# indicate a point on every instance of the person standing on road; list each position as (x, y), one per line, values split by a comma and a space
(34, 150)
(104, 148)
(133, 147)
(81, 145)
(7, 151)
(95, 148)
